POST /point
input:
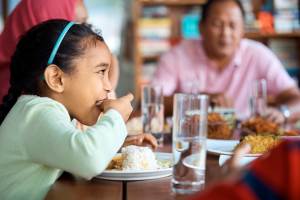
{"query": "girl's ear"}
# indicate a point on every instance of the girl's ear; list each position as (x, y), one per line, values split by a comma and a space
(54, 78)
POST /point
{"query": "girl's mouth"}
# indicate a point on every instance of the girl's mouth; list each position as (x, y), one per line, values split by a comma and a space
(99, 102)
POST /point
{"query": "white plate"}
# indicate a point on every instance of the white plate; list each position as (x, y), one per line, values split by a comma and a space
(224, 147)
(141, 174)
(243, 161)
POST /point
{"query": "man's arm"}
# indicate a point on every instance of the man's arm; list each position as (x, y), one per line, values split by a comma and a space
(290, 98)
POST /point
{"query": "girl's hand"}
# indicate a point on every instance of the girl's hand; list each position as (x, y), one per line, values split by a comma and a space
(122, 105)
(141, 140)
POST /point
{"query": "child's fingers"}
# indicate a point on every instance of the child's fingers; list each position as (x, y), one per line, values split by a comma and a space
(150, 139)
(142, 140)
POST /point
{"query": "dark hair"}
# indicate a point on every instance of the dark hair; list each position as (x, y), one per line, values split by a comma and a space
(32, 53)
(207, 6)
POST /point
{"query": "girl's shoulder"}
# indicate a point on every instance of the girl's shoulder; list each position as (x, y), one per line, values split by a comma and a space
(33, 102)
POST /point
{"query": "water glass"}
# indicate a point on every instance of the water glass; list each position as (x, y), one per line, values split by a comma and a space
(258, 98)
(153, 111)
(189, 142)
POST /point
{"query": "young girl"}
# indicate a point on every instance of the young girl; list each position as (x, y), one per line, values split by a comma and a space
(59, 71)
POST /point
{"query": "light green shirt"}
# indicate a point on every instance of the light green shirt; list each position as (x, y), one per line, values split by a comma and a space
(38, 142)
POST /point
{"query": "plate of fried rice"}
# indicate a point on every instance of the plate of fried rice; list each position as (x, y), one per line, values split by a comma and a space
(259, 145)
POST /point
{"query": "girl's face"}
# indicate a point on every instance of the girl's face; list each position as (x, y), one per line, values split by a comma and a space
(88, 85)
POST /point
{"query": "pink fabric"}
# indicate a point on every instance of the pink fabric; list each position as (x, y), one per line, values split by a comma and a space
(27, 14)
(186, 68)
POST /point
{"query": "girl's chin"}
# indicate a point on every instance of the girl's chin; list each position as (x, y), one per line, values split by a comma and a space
(90, 121)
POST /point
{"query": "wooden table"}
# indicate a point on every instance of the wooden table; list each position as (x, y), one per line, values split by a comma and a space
(161, 188)
(68, 187)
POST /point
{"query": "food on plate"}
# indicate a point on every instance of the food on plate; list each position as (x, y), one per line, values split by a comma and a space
(137, 158)
(116, 162)
(217, 127)
(260, 143)
(259, 125)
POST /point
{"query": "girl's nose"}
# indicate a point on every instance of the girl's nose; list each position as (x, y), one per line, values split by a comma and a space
(107, 85)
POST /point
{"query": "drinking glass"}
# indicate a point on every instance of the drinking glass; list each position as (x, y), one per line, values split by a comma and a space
(153, 111)
(189, 142)
(258, 98)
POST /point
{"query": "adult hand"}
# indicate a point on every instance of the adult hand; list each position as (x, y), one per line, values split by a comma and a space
(232, 166)
(274, 115)
(141, 140)
(122, 105)
(219, 99)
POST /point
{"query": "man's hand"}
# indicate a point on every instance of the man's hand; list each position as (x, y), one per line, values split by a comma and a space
(122, 105)
(219, 99)
(274, 115)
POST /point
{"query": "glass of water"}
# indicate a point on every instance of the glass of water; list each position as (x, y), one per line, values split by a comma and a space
(189, 142)
(153, 111)
(258, 98)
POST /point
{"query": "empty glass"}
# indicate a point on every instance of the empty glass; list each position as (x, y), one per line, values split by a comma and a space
(258, 98)
(189, 142)
(153, 111)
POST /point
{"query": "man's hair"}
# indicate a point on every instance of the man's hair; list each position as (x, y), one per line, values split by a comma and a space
(208, 5)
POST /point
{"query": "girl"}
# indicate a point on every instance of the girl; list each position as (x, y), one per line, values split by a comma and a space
(59, 71)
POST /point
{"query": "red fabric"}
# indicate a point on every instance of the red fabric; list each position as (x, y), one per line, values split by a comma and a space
(279, 170)
(27, 14)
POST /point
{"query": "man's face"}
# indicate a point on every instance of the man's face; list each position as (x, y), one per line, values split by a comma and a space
(223, 29)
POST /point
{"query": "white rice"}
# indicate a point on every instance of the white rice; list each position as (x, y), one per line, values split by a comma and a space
(138, 158)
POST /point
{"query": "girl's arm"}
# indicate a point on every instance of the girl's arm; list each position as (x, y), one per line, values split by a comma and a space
(52, 140)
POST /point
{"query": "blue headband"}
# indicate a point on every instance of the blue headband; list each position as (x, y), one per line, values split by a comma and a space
(58, 42)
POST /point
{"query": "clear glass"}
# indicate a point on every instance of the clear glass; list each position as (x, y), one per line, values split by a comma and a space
(191, 87)
(258, 98)
(189, 142)
(153, 111)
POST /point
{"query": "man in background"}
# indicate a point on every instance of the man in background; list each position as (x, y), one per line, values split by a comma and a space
(224, 65)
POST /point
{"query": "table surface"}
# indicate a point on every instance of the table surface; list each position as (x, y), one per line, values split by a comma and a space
(69, 187)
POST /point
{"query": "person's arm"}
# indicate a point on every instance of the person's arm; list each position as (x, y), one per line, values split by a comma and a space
(291, 99)
(280, 85)
(53, 141)
(114, 72)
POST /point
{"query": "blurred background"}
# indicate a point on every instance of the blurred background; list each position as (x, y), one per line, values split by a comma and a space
(139, 31)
